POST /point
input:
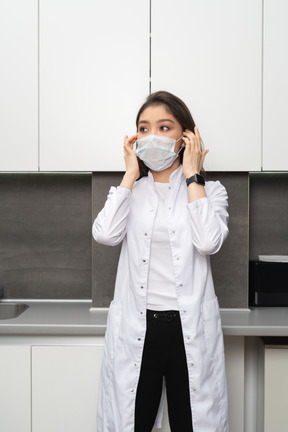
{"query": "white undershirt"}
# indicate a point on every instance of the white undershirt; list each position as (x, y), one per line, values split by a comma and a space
(161, 293)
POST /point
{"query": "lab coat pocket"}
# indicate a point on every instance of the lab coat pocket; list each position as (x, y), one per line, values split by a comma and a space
(113, 325)
(212, 327)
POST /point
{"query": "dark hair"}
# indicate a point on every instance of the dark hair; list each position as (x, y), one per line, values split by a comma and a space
(174, 106)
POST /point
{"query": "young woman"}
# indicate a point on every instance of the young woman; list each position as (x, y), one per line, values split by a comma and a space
(164, 330)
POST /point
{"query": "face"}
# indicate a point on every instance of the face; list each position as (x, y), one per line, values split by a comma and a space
(156, 120)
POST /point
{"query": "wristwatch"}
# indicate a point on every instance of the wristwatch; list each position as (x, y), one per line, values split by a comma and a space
(197, 178)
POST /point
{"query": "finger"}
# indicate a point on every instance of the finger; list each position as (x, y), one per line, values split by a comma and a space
(131, 140)
(188, 134)
(187, 143)
(198, 138)
(204, 153)
(194, 139)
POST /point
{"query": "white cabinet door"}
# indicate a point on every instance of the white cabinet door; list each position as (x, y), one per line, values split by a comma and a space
(276, 389)
(275, 85)
(65, 388)
(19, 85)
(94, 75)
(209, 54)
(15, 393)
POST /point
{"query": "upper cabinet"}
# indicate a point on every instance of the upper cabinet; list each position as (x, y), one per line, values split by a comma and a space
(275, 85)
(94, 74)
(209, 54)
(19, 85)
(74, 73)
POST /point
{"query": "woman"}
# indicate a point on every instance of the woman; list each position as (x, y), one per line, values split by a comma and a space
(164, 330)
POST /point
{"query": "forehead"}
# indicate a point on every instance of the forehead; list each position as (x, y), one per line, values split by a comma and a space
(156, 113)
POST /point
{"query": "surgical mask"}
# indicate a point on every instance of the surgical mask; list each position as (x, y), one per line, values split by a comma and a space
(156, 151)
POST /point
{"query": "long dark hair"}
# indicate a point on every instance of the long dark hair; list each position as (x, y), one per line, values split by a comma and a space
(174, 106)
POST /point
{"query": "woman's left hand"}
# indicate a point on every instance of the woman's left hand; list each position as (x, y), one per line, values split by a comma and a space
(193, 157)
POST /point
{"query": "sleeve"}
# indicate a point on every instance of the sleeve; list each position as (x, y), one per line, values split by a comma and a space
(109, 228)
(209, 219)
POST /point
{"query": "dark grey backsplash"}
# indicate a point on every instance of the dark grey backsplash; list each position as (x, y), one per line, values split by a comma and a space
(45, 235)
(268, 214)
(230, 264)
(47, 251)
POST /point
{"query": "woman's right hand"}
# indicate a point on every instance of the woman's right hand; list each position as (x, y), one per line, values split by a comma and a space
(131, 162)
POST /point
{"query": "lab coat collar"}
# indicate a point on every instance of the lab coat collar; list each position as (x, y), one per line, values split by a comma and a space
(174, 177)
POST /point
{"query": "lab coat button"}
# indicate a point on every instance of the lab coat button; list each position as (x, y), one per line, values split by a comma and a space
(146, 234)
(169, 208)
(144, 260)
(142, 287)
(192, 364)
(194, 389)
(139, 339)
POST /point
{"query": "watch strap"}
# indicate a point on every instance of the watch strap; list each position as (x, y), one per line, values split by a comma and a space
(196, 178)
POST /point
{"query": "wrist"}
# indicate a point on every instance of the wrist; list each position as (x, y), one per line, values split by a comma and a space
(132, 176)
(129, 180)
(190, 174)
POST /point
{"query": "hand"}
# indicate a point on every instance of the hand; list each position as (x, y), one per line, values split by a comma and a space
(132, 167)
(193, 157)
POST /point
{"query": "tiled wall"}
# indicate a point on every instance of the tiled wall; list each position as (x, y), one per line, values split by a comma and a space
(47, 251)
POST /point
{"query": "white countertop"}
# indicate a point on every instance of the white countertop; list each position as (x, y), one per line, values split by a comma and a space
(57, 318)
(78, 318)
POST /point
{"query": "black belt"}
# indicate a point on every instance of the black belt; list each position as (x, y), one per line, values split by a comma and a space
(163, 315)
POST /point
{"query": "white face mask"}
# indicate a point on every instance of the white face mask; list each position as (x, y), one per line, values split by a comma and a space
(156, 151)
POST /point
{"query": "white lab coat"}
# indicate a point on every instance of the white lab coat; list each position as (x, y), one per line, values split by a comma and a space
(196, 230)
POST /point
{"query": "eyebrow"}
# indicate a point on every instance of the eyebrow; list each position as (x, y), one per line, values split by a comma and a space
(159, 121)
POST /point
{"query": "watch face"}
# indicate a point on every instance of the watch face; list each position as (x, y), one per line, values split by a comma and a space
(200, 179)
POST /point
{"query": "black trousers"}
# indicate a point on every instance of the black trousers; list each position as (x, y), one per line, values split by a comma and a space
(163, 356)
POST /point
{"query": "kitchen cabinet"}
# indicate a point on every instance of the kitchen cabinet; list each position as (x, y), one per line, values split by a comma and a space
(94, 74)
(65, 387)
(276, 389)
(209, 54)
(15, 392)
(275, 85)
(19, 85)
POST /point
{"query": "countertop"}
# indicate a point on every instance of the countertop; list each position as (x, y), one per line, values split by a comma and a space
(77, 318)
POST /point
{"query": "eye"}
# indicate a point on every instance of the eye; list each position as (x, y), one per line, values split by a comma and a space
(143, 129)
(164, 128)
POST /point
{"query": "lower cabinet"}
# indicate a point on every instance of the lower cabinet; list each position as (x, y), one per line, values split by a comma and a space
(46, 388)
(15, 391)
(65, 388)
(276, 389)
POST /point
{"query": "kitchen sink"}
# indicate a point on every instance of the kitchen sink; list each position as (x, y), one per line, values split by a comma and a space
(11, 310)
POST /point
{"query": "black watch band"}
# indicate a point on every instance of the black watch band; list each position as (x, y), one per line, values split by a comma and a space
(196, 178)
